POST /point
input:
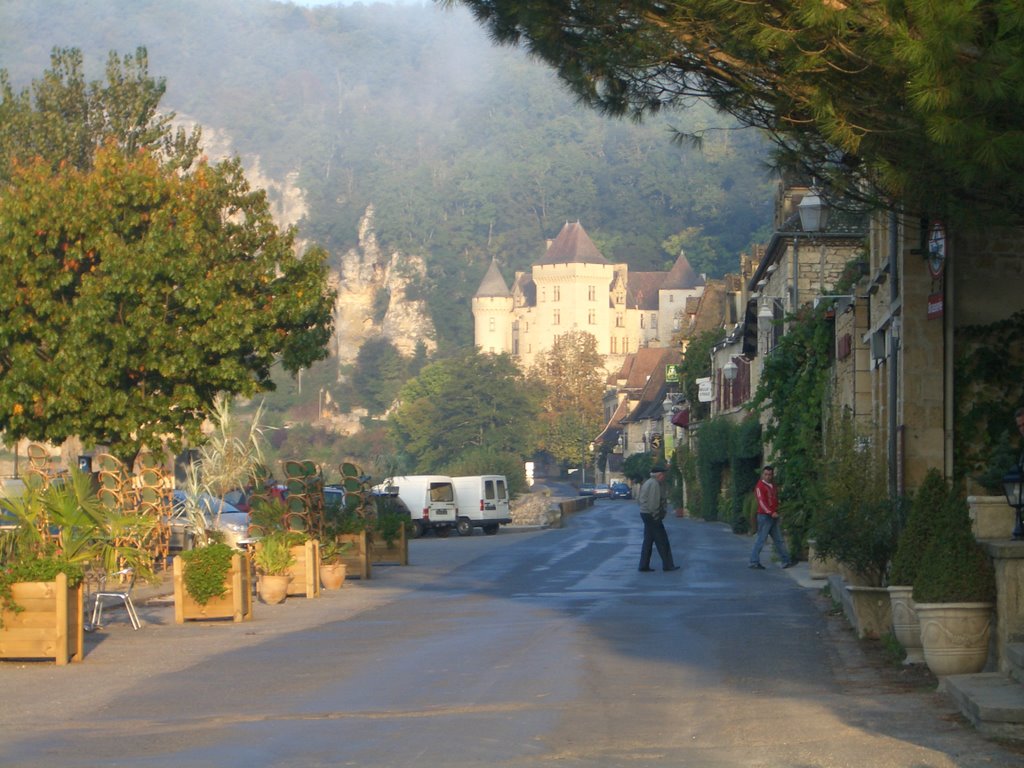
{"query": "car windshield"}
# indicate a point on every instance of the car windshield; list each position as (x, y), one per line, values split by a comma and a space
(210, 505)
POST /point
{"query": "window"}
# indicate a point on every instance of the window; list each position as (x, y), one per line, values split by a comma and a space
(618, 320)
(654, 320)
(557, 318)
(642, 322)
(592, 292)
(592, 317)
(543, 295)
(556, 293)
(492, 324)
(625, 345)
(615, 346)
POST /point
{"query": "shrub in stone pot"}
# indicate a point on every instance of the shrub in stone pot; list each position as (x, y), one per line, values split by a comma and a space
(913, 541)
(954, 593)
(861, 536)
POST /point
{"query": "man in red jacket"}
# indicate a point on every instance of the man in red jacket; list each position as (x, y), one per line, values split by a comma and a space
(768, 520)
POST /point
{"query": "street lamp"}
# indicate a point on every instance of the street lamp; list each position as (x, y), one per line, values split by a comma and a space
(813, 216)
(1013, 487)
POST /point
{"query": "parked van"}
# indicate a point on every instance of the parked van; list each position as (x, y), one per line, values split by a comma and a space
(430, 499)
(483, 503)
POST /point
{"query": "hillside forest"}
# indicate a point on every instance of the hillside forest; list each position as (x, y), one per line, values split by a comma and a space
(465, 150)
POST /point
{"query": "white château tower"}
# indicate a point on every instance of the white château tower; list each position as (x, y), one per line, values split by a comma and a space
(492, 313)
(575, 288)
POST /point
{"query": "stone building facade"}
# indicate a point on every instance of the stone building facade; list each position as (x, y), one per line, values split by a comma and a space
(573, 287)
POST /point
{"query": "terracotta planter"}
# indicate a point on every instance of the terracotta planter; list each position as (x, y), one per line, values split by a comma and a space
(305, 571)
(50, 624)
(954, 636)
(235, 604)
(905, 623)
(332, 575)
(274, 587)
(871, 611)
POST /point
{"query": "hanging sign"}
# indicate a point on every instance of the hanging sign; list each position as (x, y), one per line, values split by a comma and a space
(936, 250)
(705, 392)
(935, 306)
(672, 373)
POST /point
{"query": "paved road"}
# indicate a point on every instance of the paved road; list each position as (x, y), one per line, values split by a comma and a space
(522, 649)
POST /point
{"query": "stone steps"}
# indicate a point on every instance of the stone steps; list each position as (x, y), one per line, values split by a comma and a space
(993, 701)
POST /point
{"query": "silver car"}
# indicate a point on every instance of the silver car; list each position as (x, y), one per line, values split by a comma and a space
(220, 515)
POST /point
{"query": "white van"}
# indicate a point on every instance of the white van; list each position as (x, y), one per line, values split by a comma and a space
(483, 503)
(430, 499)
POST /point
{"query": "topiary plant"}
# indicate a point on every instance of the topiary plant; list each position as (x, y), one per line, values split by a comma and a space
(917, 535)
(954, 567)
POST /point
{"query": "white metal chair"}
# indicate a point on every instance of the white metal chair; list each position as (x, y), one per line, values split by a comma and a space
(122, 593)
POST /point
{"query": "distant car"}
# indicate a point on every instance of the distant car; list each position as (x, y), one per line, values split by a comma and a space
(224, 516)
(334, 498)
(586, 489)
(602, 491)
(621, 491)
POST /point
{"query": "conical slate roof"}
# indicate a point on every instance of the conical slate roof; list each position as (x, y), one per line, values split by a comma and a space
(573, 246)
(681, 276)
(493, 283)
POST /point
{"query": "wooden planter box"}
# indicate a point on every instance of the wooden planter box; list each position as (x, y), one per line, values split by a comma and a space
(50, 627)
(357, 558)
(305, 571)
(397, 553)
(236, 604)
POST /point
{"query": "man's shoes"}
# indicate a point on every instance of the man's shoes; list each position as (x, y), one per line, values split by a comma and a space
(673, 568)
(790, 564)
(757, 567)
(645, 570)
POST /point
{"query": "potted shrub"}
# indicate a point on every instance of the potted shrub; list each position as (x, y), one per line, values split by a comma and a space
(332, 567)
(274, 560)
(912, 543)
(61, 529)
(954, 593)
(212, 582)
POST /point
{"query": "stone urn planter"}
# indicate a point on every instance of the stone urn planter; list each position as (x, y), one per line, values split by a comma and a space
(954, 636)
(871, 611)
(905, 623)
(274, 588)
(332, 575)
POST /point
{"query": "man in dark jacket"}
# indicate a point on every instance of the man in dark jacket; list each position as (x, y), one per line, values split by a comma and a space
(652, 511)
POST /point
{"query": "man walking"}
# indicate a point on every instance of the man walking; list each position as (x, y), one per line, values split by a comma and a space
(768, 520)
(652, 511)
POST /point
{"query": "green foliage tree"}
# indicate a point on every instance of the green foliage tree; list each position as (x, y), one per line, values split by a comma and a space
(379, 373)
(573, 378)
(791, 395)
(920, 100)
(460, 405)
(64, 120)
(136, 292)
(486, 461)
(696, 364)
(638, 467)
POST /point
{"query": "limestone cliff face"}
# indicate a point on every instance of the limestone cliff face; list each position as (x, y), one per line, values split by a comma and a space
(364, 272)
